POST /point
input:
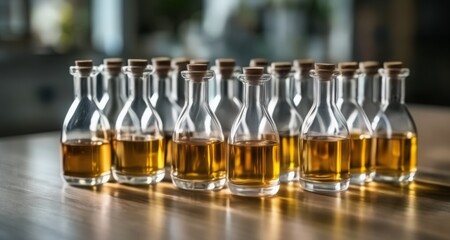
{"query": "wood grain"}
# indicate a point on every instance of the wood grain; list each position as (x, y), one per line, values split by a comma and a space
(36, 204)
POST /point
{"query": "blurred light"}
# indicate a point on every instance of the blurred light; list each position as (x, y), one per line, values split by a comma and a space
(107, 27)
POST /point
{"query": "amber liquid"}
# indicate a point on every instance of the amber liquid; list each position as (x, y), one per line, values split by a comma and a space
(254, 163)
(362, 154)
(199, 159)
(139, 157)
(289, 153)
(86, 158)
(325, 159)
(168, 150)
(396, 155)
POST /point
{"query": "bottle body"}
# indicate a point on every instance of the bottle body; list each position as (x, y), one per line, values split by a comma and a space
(139, 141)
(325, 158)
(86, 148)
(288, 122)
(395, 133)
(362, 145)
(254, 145)
(198, 143)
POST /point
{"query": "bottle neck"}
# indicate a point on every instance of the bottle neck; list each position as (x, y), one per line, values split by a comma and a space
(254, 95)
(323, 92)
(83, 87)
(112, 85)
(395, 90)
(162, 86)
(346, 88)
(226, 87)
(283, 87)
(370, 88)
(137, 86)
(198, 92)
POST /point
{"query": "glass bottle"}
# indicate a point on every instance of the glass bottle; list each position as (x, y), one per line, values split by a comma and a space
(199, 161)
(86, 149)
(262, 62)
(369, 88)
(139, 141)
(254, 160)
(165, 105)
(362, 146)
(288, 121)
(395, 130)
(178, 82)
(325, 158)
(225, 104)
(304, 86)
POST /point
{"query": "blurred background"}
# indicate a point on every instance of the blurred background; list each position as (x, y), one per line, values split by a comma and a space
(40, 39)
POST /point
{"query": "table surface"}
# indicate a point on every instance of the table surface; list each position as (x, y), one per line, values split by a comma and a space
(36, 204)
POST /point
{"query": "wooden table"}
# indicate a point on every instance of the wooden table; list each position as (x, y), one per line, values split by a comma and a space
(36, 204)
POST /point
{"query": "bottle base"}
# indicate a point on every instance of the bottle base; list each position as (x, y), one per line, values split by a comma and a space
(246, 191)
(315, 186)
(77, 181)
(361, 178)
(138, 180)
(291, 176)
(395, 178)
(197, 185)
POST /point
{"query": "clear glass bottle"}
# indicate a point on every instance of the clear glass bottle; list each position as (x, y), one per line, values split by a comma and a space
(164, 104)
(362, 148)
(225, 104)
(139, 141)
(325, 158)
(288, 121)
(199, 161)
(86, 149)
(394, 129)
(178, 82)
(254, 159)
(369, 88)
(262, 62)
(304, 86)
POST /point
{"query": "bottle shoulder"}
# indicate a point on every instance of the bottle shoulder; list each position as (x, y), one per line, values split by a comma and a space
(394, 118)
(325, 121)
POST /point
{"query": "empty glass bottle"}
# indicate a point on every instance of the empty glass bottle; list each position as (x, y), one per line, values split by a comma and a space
(253, 164)
(304, 86)
(139, 141)
(362, 148)
(395, 130)
(324, 163)
(86, 149)
(288, 121)
(225, 104)
(165, 105)
(198, 143)
(262, 62)
(369, 88)
(178, 82)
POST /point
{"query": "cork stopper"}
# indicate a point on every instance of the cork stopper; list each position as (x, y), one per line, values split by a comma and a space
(197, 71)
(259, 62)
(393, 64)
(137, 66)
(199, 61)
(113, 65)
(225, 66)
(161, 66)
(369, 67)
(348, 69)
(253, 74)
(84, 66)
(281, 68)
(325, 70)
(180, 63)
(306, 64)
